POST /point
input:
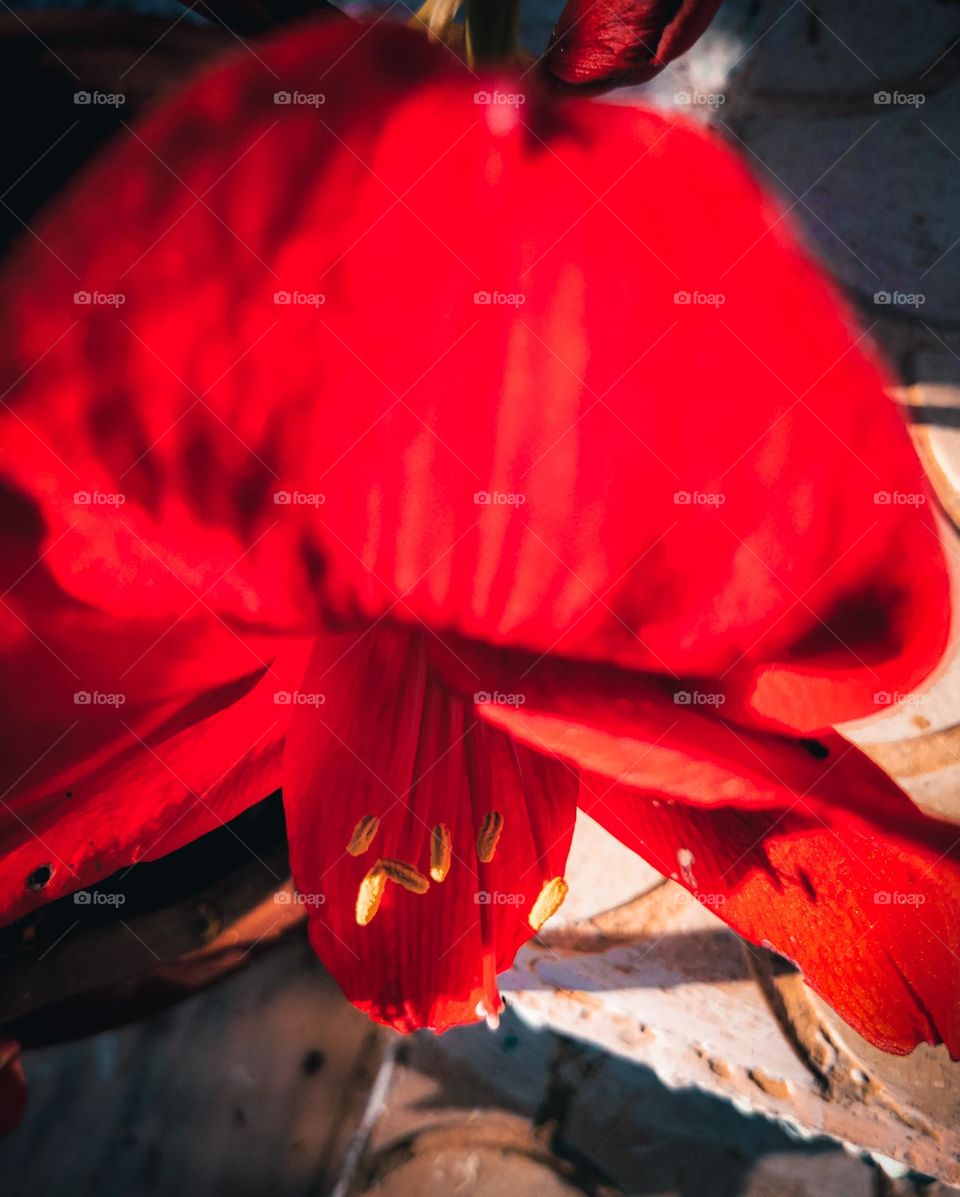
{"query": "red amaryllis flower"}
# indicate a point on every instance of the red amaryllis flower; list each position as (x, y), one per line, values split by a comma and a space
(612, 43)
(437, 437)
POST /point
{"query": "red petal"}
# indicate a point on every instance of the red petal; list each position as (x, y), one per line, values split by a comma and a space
(862, 892)
(390, 740)
(618, 42)
(597, 400)
(632, 728)
(124, 741)
(154, 797)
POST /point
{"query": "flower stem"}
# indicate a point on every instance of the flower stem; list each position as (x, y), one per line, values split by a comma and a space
(493, 28)
(436, 16)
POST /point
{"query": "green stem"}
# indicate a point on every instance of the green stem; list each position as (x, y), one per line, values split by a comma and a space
(493, 29)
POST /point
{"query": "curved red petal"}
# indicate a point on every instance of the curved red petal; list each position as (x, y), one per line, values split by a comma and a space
(868, 908)
(619, 42)
(633, 727)
(113, 758)
(544, 445)
(123, 739)
(376, 735)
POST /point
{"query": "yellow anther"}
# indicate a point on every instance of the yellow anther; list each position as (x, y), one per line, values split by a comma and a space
(548, 902)
(489, 835)
(369, 894)
(363, 834)
(404, 874)
(441, 852)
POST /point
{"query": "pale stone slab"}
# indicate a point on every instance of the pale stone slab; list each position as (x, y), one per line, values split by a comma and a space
(606, 873)
(918, 738)
(254, 1087)
(673, 991)
(935, 397)
(837, 48)
(877, 195)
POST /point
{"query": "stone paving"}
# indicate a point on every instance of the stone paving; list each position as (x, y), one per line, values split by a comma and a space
(271, 1083)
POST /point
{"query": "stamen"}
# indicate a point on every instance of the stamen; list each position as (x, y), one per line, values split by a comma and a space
(490, 1016)
(490, 1006)
(404, 874)
(363, 834)
(441, 852)
(548, 902)
(489, 835)
(369, 894)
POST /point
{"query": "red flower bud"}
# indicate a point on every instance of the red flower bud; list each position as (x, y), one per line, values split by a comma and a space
(612, 43)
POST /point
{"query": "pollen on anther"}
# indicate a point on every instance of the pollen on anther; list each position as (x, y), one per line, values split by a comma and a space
(369, 894)
(404, 874)
(441, 852)
(363, 835)
(548, 902)
(489, 835)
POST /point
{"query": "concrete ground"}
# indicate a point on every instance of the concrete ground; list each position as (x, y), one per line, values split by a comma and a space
(271, 1083)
